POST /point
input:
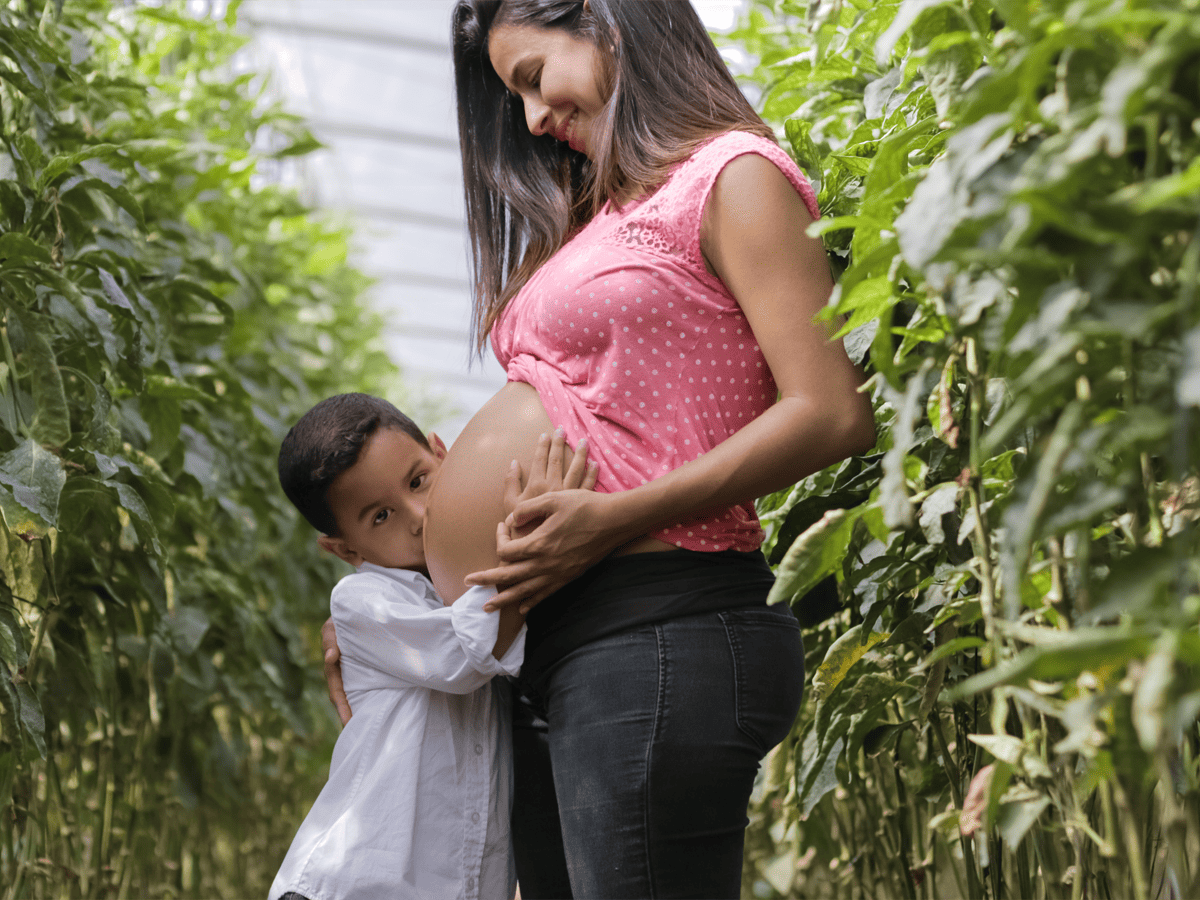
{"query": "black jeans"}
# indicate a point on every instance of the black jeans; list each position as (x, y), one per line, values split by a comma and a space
(635, 755)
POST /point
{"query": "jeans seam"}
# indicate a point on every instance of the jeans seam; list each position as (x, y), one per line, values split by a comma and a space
(735, 654)
(658, 712)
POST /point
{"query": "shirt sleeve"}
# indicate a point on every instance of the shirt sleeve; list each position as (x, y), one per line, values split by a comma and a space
(477, 631)
(403, 642)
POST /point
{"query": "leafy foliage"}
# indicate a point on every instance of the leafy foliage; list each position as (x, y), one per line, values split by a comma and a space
(166, 315)
(1006, 703)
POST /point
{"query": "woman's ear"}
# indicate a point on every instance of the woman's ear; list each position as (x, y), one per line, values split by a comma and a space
(339, 548)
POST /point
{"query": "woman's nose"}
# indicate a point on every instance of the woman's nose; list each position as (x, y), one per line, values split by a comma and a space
(537, 116)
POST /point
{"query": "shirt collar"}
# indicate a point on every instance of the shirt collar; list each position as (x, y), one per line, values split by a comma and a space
(406, 575)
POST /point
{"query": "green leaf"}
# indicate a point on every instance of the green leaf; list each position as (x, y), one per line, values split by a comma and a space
(943, 198)
(1022, 517)
(798, 134)
(29, 714)
(188, 625)
(821, 780)
(1003, 747)
(878, 738)
(36, 478)
(1015, 819)
(906, 17)
(814, 554)
(1089, 651)
(865, 302)
(941, 501)
(951, 648)
(132, 503)
(12, 641)
(841, 655)
(8, 768)
(19, 251)
(1150, 698)
(113, 291)
(119, 194)
(66, 161)
(52, 419)
(893, 488)
(166, 387)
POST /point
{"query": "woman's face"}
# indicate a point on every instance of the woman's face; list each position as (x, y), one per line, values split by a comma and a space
(556, 76)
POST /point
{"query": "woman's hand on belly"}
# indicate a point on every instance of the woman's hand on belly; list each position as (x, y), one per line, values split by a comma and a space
(469, 502)
(573, 530)
(547, 477)
(555, 467)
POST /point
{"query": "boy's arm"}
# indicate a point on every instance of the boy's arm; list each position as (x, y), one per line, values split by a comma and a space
(332, 654)
(396, 640)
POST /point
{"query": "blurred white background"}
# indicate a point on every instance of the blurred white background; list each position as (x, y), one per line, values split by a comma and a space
(374, 79)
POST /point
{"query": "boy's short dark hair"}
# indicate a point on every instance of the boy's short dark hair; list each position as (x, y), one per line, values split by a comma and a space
(326, 442)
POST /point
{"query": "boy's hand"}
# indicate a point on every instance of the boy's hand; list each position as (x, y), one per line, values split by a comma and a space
(333, 671)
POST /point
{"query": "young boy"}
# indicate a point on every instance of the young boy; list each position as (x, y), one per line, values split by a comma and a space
(418, 798)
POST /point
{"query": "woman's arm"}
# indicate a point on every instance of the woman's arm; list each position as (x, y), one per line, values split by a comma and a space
(753, 237)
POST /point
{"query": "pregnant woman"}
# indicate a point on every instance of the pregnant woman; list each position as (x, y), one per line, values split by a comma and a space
(642, 270)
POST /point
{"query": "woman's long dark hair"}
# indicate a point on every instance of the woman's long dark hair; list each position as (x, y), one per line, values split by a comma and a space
(669, 93)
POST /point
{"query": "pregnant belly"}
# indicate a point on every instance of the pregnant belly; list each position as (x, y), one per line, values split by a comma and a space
(466, 503)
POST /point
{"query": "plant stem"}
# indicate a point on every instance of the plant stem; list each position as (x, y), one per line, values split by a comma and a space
(906, 855)
(12, 374)
(1133, 842)
(956, 793)
(1174, 819)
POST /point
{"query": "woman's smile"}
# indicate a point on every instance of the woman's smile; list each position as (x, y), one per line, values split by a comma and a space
(557, 78)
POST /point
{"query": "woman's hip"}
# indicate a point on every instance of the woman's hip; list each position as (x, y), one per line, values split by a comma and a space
(684, 682)
(655, 735)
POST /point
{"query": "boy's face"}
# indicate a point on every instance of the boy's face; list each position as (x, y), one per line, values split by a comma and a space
(379, 502)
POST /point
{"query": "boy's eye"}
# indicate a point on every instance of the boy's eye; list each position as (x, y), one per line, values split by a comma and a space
(382, 516)
(416, 483)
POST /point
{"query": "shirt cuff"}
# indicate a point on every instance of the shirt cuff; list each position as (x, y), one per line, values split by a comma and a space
(477, 630)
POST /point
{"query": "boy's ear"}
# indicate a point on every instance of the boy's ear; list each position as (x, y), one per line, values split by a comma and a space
(339, 548)
(436, 445)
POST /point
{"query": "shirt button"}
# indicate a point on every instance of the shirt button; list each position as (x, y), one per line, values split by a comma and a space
(478, 749)
(475, 817)
(470, 884)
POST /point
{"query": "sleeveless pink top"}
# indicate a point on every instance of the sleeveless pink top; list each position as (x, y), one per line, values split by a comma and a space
(631, 343)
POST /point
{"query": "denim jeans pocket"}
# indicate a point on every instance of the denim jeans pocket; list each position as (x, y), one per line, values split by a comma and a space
(768, 664)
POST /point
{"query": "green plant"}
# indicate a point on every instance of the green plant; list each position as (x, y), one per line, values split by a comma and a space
(1006, 703)
(165, 315)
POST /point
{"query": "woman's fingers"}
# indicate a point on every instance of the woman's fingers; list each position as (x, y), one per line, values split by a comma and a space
(590, 476)
(333, 671)
(503, 538)
(513, 485)
(541, 455)
(578, 470)
(511, 574)
(554, 462)
(528, 593)
(546, 471)
(534, 508)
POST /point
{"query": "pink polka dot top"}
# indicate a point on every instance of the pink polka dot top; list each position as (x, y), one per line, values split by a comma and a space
(630, 342)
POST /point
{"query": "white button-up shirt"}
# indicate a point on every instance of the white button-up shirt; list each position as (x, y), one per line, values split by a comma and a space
(420, 786)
